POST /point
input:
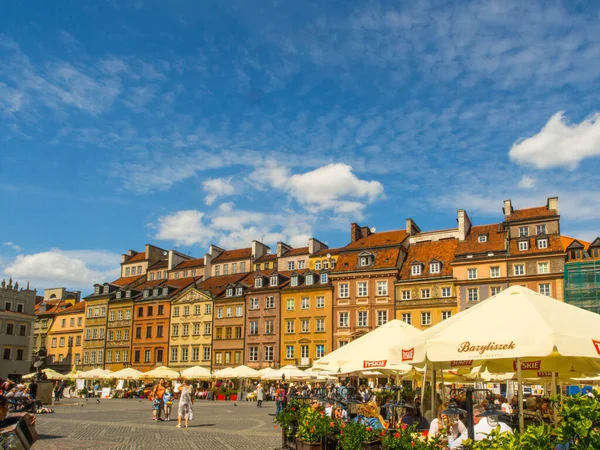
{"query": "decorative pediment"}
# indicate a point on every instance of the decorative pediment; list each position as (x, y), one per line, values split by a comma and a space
(304, 341)
(193, 295)
(596, 242)
(575, 245)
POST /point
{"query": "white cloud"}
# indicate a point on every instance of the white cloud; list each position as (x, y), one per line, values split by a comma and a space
(229, 227)
(333, 187)
(559, 144)
(527, 182)
(184, 227)
(74, 269)
(12, 245)
(217, 187)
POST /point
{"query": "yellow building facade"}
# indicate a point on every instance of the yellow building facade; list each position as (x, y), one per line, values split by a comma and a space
(190, 337)
(65, 339)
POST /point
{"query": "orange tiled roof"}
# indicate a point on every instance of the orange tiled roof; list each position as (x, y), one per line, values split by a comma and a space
(296, 251)
(324, 251)
(531, 213)
(233, 255)
(554, 245)
(52, 306)
(196, 262)
(217, 285)
(496, 237)
(381, 239)
(427, 251)
(566, 241)
(386, 258)
(266, 258)
(137, 257)
(159, 265)
(78, 307)
(124, 281)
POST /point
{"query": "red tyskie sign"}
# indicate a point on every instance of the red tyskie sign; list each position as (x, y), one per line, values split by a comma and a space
(374, 364)
(408, 355)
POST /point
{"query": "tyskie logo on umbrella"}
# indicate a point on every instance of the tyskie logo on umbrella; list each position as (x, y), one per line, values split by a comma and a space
(374, 364)
(529, 365)
(596, 345)
(408, 355)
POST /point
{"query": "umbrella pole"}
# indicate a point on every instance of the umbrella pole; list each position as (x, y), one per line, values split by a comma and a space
(520, 395)
(554, 413)
(433, 391)
(443, 388)
(423, 389)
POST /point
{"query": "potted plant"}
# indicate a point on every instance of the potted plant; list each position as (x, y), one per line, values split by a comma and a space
(408, 438)
(83, 393)
(358, 436)
(313, 425)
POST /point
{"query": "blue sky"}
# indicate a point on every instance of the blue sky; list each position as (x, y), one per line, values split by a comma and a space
(188, 123)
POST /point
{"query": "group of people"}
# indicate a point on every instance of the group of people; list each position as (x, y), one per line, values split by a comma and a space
(19, 396)
(163, 395)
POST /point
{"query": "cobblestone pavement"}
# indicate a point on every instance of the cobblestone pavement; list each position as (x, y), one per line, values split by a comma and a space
(127, 424)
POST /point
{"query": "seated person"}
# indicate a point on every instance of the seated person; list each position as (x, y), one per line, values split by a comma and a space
(339, 413)
(412, 416)
(369, 414)
(484, 425)
(5, 420)
(454, 429)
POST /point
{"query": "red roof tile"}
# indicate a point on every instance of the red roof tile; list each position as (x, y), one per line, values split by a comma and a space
(296, 251)
(266, 258)
(137, 257)
(426, 252)
(531, 213)
(159, 265)
(124, 281)
(554, 245)
(233, 255)
(381, 239)
(52, 306)
(325, 251)
(496, 237)
(386, 258)
(566, 241)
(196, 262)
(217, 285)
(78, 307)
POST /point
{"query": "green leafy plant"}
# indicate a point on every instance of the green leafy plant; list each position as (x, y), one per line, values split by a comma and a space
(354, 434)
(313, 425)
(289, 416)
(407, 438)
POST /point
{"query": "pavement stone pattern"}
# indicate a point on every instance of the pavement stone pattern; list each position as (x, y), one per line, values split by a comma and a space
(123, 424)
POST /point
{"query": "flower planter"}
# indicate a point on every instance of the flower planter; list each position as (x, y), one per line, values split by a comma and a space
(221, 397)
(233, 398)
(301, 445)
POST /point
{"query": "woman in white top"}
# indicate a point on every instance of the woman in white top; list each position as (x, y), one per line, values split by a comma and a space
(457, 432)
(506, 408)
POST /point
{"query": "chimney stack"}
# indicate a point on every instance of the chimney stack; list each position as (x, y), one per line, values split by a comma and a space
(355, 233)
(314, 245)
(411, 227)
(464, 225)
(282, 249)
(508, 209)
(552, 204)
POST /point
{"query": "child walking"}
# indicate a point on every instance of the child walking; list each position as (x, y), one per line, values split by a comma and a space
(168, 399)
(155, 409)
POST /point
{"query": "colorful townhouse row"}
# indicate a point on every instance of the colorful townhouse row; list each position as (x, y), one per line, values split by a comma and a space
(293, 306)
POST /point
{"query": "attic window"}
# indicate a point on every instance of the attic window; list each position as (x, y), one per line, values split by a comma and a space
(309, 279)
(294, 280)
(324, 278)
(156, 292)
(482, 238)
(325, 264)
(165, 291)
(415, 269)
(258, 282)
(128, 293)
(118, 294)
(239, 291)
(365, 261)
(318, 265)
(595, 252)
(97, 290)
(434, 267)
(542, 243)
(523, 246)
(273, 280)
(146, 293)
(229, 292)
(106, 289)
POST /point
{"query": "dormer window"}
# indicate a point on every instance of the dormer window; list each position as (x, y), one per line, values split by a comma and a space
(229, 292)
(309, 279)
(324, 278)
(435, 267)
(240, 291)
(482, 238)
(325, 264)
(364, 261)
(97, 290)
(273, 280)
(156, 292)
(128, 293)
(267, 266)
(294, 281)
(258, 282)
(318, 265)
(595, 252)
(542, 243)
(332, 264)
(146, 293)
(105, 289)
(165, 291)
(118, 294)
(415, 269)
(523, 246)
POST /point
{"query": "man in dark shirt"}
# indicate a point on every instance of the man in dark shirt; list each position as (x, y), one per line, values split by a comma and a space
(33, 390)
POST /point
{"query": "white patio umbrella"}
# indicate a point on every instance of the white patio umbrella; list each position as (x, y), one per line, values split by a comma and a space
(535, 329)
(197, 373)
(94, 374)
(371, 351)
(266, 370)
(161, 372)
(227, 372)
(245, 372)
(126, 374)
(290, 372)
(51, 374)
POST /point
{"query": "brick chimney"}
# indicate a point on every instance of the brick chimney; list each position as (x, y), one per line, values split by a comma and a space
(464, 225)
(314, 245)
(508, 209)
(552, 204)
(282, 249)
(258, 249)
(355, 233)
(411, 227)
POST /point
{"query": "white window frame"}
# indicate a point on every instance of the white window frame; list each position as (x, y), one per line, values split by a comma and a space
(542, 291)
(435, 267)
(523, 231)
(472, 274)
(382, 317)
(253, 353)
(382, 288)
(344, 290)
(523, 246)
(544, 264)
(515, 271)
(493, 273)
(290, 326)
(475, 297)
(305, 303)
(446, 315)
(362, 318)
(493, 288)
(425, 318)
(320, 301)
(542, 243)
(258, 282)
(304, 326)
(406, 294)
(446, 292)
(362, 289)
(425, 293)
(319, 325)
(254, 303)
(273, 280)
(482, 238)
(343, 319)
(289, 352)
(290, 304)
(415, 269)
(364, 261)
(540, 229)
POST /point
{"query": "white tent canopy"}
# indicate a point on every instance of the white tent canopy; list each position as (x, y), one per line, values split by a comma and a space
(126, 374)
(290, 372)
(94, 374)
(161, 372)
(371, 351)
(197, 372)
(227, 372)
(266, 370)
(51, 374)
(244, 372)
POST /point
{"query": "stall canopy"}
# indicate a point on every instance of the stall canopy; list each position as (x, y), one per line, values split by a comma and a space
(244, 372)
(161, 372)
(371, 351)
(126, 374)
(290, 372)
(227, 372)
(197, 373)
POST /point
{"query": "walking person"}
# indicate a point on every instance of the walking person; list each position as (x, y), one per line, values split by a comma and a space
(56, 390)
(260, 395)
(186, 401)
(157, 394)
